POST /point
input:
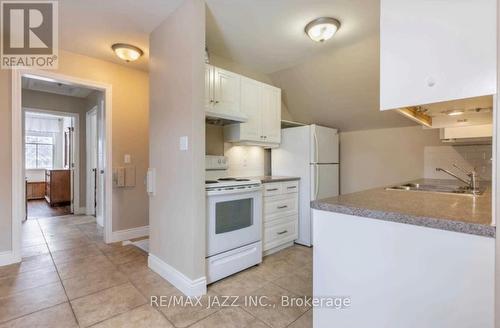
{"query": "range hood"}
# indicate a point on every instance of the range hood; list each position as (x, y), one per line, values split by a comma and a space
(218, 118)
(476, 134)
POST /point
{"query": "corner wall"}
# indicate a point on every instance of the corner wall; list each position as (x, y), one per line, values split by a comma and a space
(177, 210)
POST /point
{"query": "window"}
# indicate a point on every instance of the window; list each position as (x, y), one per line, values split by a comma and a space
(39, 152)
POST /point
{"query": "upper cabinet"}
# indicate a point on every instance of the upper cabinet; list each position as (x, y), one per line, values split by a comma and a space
(261, 103)
(436, 50)
(222, 91)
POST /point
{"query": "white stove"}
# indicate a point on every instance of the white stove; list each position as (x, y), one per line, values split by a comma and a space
(222, 184)
(234, 221)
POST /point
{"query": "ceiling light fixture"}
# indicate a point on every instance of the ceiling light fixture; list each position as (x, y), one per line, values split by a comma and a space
(127, 52)
(455, 112)
(322, 29)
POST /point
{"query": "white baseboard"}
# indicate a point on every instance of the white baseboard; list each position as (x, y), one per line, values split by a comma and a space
(8, 257)
(81, 210)
(186, 285)
(122, 235)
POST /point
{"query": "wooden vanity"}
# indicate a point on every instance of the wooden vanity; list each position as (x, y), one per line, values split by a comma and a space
(58, 187)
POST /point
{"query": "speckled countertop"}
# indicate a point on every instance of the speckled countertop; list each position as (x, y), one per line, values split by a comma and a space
(459, 213)
(272, 178)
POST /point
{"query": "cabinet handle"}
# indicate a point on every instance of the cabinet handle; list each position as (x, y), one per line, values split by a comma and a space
(211, 100)
(282, 232)
(282, 207)
(273, 189)
(292, 187)
(216, 101)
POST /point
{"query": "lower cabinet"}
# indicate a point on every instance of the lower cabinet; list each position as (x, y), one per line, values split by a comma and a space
(281, 215)
(35, 190)
(57, 187)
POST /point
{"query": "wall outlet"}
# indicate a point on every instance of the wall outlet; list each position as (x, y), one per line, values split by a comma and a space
(127, 159)
(183, 143)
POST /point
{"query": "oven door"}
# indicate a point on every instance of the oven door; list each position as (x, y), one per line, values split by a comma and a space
(234, 219)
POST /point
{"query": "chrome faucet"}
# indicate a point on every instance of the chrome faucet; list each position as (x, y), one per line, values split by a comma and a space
(472, 183)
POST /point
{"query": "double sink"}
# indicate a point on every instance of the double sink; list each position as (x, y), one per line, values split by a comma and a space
(436, 188)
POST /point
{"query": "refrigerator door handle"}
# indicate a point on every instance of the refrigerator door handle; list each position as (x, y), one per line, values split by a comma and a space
(316, 145)
(316, 181)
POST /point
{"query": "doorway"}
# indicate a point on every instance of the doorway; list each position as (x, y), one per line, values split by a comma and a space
(51, 158)
(101, 93)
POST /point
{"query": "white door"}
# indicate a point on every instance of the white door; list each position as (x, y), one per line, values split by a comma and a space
(101, 155)
(70, 149)
(226, 91)
(251, 104)
(91, 161)
(324, 145)
(271, 114)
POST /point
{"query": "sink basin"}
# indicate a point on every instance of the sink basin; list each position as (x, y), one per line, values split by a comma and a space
(445, 189)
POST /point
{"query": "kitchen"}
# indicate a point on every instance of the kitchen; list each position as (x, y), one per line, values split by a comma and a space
(448, 159)
(340, 153)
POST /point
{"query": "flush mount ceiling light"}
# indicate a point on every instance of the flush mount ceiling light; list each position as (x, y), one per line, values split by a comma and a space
(127, 52)
(454, 112)
(322, 29)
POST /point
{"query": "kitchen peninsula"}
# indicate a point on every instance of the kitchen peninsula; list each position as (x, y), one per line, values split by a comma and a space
(405, 258)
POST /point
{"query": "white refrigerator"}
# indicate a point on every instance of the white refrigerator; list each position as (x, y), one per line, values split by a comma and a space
(310, 152)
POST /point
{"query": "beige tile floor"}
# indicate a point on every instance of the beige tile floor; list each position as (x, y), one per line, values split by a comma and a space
(70, 278)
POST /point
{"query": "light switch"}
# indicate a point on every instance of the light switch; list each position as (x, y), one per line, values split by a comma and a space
(183, 143)
(127, 159)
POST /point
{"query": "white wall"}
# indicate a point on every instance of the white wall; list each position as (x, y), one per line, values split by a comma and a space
(468, 157)
(376, 158)
(177, 210)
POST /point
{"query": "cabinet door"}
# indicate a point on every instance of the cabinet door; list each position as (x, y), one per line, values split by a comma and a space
(271, 114)
(226, 91)
(209, 87)
(432, 51)
(251, 106)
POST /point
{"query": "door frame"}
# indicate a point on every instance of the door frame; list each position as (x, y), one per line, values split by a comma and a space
(88, 184)
(18, 198)
(76, 149)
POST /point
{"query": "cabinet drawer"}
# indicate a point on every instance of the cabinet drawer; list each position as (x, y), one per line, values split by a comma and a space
(271, 189)
(282, 233)
(280, 205)
(290, 187)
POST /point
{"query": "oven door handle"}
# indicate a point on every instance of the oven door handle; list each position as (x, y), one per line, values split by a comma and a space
(233, 191)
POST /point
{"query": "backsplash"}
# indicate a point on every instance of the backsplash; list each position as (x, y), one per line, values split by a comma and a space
(468, 157)
(245, 161)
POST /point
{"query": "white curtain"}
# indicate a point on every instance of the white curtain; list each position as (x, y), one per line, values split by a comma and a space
(42, 124)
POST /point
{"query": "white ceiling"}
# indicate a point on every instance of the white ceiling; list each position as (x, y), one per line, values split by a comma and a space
(90, 27)
(335, 83)
(268, 35)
